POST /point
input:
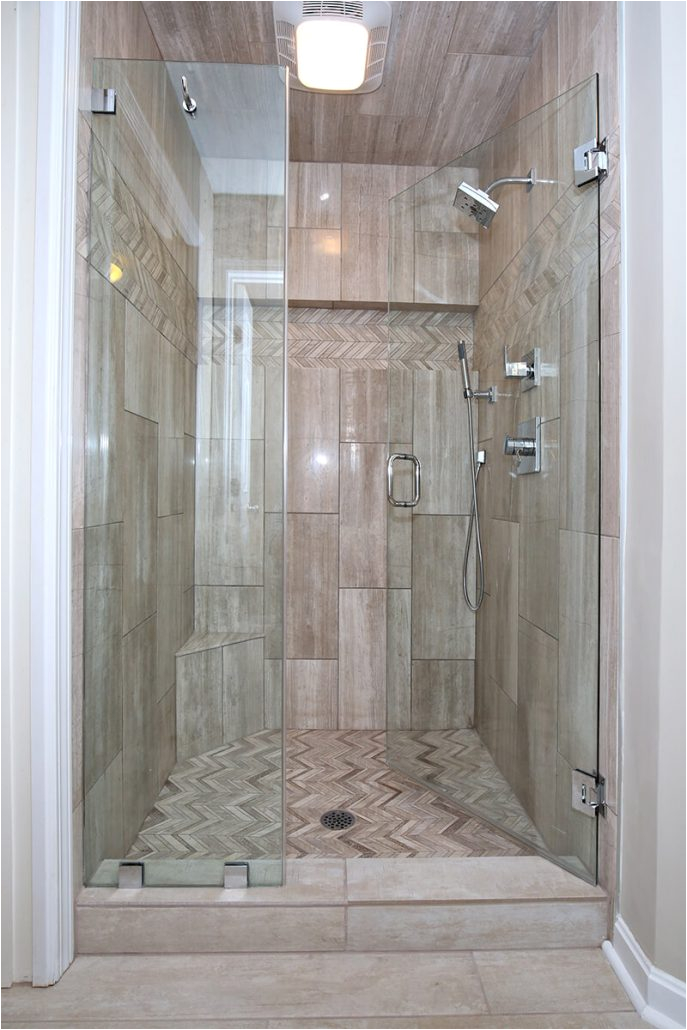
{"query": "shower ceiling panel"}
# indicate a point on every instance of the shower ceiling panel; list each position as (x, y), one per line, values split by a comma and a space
(452, 71)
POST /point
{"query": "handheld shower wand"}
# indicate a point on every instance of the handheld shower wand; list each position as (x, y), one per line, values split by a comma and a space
(477, 459)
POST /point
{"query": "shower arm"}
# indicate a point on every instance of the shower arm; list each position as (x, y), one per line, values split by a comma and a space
(528, 180)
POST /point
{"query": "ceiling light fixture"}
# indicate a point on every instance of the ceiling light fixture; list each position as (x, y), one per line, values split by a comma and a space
(333, 46)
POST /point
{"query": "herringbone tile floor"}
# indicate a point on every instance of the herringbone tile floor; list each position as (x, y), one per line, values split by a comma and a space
(226, 803)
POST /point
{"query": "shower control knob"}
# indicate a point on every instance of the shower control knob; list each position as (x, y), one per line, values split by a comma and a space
(522, 446)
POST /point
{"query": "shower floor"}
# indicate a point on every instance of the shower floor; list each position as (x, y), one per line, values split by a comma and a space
(226, 803)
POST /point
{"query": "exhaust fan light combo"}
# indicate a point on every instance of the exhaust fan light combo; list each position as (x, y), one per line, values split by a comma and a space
(333, 46)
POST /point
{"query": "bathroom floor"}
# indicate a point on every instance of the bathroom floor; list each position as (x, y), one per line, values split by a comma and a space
(226, 802)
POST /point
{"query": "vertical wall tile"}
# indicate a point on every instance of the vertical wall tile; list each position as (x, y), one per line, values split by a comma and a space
(105, 403)
(536, 504)
(362, 652)
(274, 439)
(442, 695)
(229, 512)
(313, 440)
(238, 393)
(140, 520)
(608, 662)
(102, 649)
(362, 534)
(240, 239)
(537, 724)
(314, 195)
(139, 752)
(442, 624)
(220, 609)
(274, 586)
(311, 695)
(141, 365)
(440, 442)
(398, 660)
(166, 735)
(446, 268)
(171, 441)
(273, 694)
(399, 523)
(579, 445)
(103, 824)
(364, 404)
(243, 689)
(312, 586)
(169, 599)
(501, 544)
(199, 702)
(314, 264)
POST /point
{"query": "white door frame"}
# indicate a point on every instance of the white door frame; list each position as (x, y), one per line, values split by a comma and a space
(51, 442)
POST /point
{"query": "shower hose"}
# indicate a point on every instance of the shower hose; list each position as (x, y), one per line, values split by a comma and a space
(473, 525)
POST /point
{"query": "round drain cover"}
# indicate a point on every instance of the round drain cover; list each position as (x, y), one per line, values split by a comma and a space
(337, 819)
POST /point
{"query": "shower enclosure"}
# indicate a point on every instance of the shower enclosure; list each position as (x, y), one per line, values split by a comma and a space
(498, 710)
(183, 568)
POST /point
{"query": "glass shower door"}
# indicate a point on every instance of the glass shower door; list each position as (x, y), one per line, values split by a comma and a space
(184, 532)
(498, 710)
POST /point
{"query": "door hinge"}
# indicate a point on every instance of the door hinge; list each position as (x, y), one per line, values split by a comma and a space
(590, 161)
(588, 793)
(103, 101)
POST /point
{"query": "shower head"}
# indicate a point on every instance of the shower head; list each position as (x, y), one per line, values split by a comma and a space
(476, 203)
(479, 205)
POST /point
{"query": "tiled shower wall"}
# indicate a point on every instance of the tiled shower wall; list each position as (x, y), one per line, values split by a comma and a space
(337, 547)
(581, 39)
(139, 464)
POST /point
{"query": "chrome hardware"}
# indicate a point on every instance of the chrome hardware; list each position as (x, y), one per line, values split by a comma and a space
(481, 395)
(189, 105)
(590, 161)
(525, 446)
(130, 875)
(528, 368)
(103, 101)
(417, 488)
(588, 793)
(235, 875)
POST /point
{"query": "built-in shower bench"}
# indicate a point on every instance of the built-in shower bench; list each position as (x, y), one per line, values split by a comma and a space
(220, 686)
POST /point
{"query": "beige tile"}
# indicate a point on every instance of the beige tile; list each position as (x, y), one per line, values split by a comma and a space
(362, 527)
(545, 981)
(79, 372)
(446, 268)
(312, 695)
(501, 549)
(190, 380)
(578, 649)
(189, 518)
(240, 240)
(140, 520)
(442, 695)
(199, 703)
(399, 523)
(400, 393)
(610, 435)
(398, 668)
(314, 264)
(364, 403)
(313, 403)
(313, 476)
(463, 927)
(243, 684)
(169, 599)
(141, 365)
(238, 396)
(537, 725)
(139, 751)
(312, 586)
(274, 439)
(281, 986)
(496, 717)
(314, 195)
(77, 680)
(575, 833)
(273, 694)
(579, 450)
(443, 451)
(102, 711)
(364, 267)
(166, 735)
(229, 512)
(401, 250)
(172, 389)
(362, 651)
(170, 491)
(518, 878)
(274, 586)
(104, 459)
(103, 834)
(229, 609)
(206, 930)
(442, 625)
(536, 504)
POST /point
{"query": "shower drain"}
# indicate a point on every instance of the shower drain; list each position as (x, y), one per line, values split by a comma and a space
(337, 819)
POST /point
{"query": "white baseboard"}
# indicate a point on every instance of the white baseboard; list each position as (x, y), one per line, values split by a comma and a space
(658, 997)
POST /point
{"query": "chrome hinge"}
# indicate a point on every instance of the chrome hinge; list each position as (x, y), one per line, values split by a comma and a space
(236, 875)
(130, 875)
(103, 101)
(588, 793)
(590, 161)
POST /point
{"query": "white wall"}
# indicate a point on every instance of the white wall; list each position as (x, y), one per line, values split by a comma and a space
(652, 838)
(20, 39)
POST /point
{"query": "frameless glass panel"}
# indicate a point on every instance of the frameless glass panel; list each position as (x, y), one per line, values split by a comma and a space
(184, 475)
(497, 709)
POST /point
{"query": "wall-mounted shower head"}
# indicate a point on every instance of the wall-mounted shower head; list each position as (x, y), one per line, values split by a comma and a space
(479, 205)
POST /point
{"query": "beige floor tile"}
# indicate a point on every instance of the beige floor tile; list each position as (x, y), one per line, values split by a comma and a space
(550, 981)
(214, 987)
(564, 1021)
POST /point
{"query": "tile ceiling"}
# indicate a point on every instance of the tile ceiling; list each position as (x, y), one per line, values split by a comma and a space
(451, 73)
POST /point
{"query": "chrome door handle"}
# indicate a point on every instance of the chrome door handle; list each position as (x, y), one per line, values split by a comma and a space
(417, 489)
